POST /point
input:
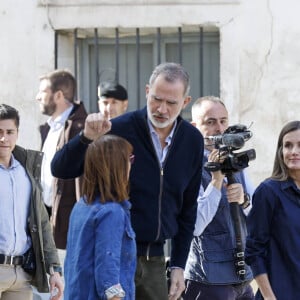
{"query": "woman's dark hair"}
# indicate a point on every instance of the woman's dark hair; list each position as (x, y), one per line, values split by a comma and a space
(106, 169)
(280, 170)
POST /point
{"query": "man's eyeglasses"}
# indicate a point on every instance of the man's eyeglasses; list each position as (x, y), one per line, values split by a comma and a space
(131, 158)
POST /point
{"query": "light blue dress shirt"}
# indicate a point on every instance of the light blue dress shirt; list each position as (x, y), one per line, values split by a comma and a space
(161, 152)
(14, 202)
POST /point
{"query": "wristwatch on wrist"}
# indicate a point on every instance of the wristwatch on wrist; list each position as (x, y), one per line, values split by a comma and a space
(246, 202)
(115, 291)
(84, 139)
(53, 269)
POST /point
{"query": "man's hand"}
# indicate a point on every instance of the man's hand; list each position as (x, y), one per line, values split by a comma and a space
(217, 177)
(96, 125)
(177, 283)
(56, 286)
(235, 193)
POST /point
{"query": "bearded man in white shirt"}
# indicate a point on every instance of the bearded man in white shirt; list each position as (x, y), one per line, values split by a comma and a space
(56, 97)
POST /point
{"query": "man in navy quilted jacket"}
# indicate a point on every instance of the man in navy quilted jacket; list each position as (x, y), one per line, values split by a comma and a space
(164, 179)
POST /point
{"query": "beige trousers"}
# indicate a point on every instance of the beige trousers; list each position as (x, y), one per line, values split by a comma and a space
(14, 283)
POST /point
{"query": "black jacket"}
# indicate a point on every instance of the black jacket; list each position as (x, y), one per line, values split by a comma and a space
(163, 199)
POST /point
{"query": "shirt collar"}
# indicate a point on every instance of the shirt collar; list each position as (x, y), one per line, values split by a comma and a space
(206, 152)
(13, 163)
(169, 137)
(61, 119)
(289, 183)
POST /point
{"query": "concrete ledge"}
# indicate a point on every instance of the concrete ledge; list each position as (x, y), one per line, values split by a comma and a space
(133, 2)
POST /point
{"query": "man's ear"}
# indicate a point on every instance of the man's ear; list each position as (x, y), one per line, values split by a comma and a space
(58, 96)
(125, 105)
(186, 101)
(193, 123)
(147, 88)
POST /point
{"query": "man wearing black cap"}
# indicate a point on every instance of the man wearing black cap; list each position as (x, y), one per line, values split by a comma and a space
(113, 99)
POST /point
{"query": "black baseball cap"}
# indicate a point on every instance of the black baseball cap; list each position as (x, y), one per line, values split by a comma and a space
(110, 89)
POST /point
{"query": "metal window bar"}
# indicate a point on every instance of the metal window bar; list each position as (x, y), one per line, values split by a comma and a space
(180, 44)
(75, 58)
(55, 50)
(201, 62)
(117, 55)
(158, 40)
(96, 44)
(138, 66)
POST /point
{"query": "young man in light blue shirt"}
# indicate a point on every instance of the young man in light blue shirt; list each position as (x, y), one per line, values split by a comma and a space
(24, 223)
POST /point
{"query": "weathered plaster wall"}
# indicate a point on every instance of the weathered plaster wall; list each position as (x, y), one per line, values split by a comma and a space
(269, 74)
(26, 51)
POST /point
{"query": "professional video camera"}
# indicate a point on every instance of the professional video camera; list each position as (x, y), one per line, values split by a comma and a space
(232, 139)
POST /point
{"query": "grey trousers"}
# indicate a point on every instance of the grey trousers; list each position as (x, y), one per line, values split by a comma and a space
(150, 278)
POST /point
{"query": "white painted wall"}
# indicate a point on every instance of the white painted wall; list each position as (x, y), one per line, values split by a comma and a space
(269, 74)
(26, 52)
(260, 77)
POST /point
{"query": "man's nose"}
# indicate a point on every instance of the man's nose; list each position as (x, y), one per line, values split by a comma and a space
(220, 128)
(38, 97)
(162, 107)
(108, 107)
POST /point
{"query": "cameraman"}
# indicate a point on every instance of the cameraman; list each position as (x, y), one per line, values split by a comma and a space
(210, 270)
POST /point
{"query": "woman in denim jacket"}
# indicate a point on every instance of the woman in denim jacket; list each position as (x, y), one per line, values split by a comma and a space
(101, 251)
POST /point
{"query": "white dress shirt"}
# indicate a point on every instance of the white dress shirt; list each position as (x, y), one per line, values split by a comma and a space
(49, 149)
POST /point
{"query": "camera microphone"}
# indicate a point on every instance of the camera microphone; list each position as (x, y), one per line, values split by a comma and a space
(231, 140)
